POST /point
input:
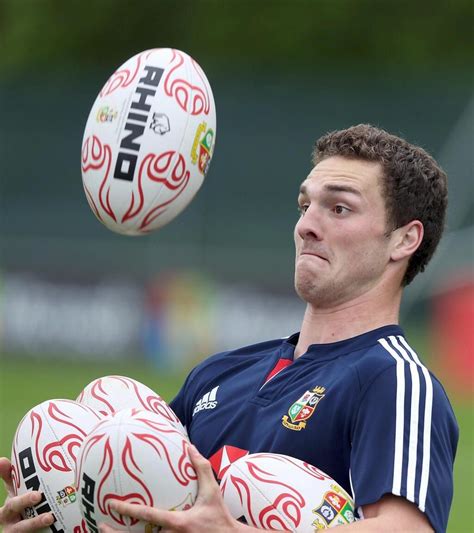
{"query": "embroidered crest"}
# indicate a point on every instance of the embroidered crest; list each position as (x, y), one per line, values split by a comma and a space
(303, 409)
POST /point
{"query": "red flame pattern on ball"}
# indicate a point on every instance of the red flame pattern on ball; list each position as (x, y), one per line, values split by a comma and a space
(104, 498)
(122, 78)
(95, 156)
(157, 170)
(191, 98)
(159, 406)
(289, 502)
(100, 394)
(243, 491)
(131, 467)
(151, 402)
(85, 452)
(185, 472)
(15, 476)
(162, 426)
(141, 496)
(51, 456)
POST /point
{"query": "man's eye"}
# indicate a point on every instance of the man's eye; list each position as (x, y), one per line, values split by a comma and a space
(302, 209)
(340, 209)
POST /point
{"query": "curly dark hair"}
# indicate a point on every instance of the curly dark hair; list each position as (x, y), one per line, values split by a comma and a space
(413, 184)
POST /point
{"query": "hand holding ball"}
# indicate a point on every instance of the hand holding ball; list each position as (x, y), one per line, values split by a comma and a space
(44, 454)
(120, 441)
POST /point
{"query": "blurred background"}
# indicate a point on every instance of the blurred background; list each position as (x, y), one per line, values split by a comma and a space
(77, 301)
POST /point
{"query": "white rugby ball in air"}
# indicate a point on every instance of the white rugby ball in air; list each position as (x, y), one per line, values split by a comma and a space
(110, 394)
(44, 454)
(134, 457)
(148, 141)
(273, 491)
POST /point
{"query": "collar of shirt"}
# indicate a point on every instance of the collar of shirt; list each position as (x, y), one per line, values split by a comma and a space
(332, 350)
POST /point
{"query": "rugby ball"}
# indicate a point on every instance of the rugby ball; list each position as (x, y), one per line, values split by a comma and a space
(110, 394)
(148, 141)
(136, 457)
(44, 454)
(273, 491)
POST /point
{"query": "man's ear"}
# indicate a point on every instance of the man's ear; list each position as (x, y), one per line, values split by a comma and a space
(406, 240)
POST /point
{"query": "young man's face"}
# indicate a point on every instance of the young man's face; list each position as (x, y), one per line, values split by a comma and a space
(342, 250)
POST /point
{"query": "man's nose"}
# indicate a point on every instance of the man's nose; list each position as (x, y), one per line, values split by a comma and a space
(309, 224)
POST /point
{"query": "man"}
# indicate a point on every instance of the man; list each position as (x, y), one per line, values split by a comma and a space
(372, 212)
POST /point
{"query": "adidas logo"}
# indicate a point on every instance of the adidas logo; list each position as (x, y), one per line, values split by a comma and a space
(208, 401)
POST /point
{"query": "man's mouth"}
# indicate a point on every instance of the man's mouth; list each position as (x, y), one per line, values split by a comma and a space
(314, 253)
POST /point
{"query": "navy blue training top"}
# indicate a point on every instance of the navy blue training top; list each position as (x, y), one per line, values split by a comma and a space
(364, 410)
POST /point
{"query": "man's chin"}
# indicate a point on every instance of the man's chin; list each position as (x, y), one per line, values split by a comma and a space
(305, 288)
(318, 294)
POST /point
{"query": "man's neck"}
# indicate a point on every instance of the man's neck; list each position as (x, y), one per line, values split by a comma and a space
(347, 320)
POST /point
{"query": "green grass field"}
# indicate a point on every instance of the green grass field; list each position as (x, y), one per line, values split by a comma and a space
(25, 383)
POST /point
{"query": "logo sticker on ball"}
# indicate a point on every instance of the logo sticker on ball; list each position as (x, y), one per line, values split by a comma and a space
(335, 509)
(160, 123)
(106, 114)
(201, 151)
(66, 496)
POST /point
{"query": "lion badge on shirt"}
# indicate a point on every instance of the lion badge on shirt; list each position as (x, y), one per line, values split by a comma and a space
(302, 409)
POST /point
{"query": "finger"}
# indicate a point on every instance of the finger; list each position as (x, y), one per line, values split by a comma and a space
(206, 479)
(6, 474)
(201, 464)
(150, 515)
(33, 524)
(16, 505)
(105, 528)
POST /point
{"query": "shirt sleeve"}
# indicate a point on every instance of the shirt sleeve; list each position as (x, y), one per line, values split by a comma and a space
(180, 403)
(177, 404)
(404, 440)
